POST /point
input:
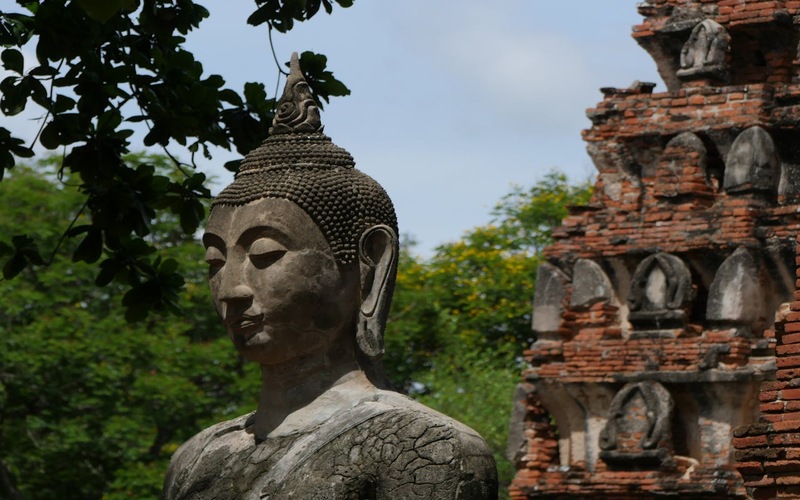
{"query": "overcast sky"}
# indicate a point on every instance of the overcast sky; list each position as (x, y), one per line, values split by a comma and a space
(453, 101)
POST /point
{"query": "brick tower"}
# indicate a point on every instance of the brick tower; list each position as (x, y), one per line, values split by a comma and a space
(650, 313)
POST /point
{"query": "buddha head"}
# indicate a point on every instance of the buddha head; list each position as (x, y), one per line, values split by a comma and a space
(302, 247)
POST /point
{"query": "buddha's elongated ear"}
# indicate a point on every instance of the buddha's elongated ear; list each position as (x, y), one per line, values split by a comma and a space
(377, 252)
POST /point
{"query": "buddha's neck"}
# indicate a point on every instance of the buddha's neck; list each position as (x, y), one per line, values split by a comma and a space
(289, 387)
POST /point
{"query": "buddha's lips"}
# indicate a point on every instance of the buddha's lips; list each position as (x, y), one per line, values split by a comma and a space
(243, 324)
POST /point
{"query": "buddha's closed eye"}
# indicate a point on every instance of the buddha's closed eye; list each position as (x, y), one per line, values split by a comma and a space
(215, 260)
(264, 252)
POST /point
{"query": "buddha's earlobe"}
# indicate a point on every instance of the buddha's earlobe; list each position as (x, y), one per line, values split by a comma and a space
(377, 252)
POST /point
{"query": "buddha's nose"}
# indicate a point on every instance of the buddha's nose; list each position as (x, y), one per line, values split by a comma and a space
(235, 300)
(237, 293)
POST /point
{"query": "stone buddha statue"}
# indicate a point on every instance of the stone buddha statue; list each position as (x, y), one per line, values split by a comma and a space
(302, 250)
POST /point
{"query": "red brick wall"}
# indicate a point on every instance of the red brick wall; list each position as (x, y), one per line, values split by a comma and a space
(768, 452)
(666, 186)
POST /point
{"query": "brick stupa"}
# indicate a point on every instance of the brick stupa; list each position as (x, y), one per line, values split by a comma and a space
(654, 312)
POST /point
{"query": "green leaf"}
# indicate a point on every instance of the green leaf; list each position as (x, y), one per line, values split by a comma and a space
(13, 60)
(103, 10)
(231, 97)
(49, 138)
(255, 93)
(16, 29)
(76, 230)
(90, 248)
(43, 71)
(108, 271)
(169, 266)
(5, 249)
(233, 165)
(321, 81)
(25, 246)
(21, 151)
(14, 266)
(312, 7)
(15, 92)
(32, 7)
(109, 121)
(25, 251)
(190, 216)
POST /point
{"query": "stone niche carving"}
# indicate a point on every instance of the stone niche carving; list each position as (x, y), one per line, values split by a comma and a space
(705, 54)
(736, 294)
(638, 430)
(752, 163)
(660, 293)
(302, 250)
(548, 301)
(682, 168)
(590, 285)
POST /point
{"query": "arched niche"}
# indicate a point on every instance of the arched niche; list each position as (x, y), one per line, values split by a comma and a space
(570, 418)
(618, 171)
(590, 285)
(705, 53)
(736, 294)
(752, 164)
(660, 294)
(548, 301)
(682, 168)
(639, 426)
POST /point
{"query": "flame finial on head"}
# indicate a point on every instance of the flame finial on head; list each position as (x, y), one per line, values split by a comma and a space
(297, 110)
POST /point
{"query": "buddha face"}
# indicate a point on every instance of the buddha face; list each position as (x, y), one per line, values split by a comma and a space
(275, 282)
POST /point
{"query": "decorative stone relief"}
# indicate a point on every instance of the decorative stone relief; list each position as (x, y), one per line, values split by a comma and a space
(548, 301)
(705, 54)
(638, 430)
(590, 285)
(736, 294)
(660, 292)
(752, 163)
(682, 168)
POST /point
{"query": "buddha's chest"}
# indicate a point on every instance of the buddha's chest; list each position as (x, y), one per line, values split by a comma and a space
(230, 469)
(393, 455)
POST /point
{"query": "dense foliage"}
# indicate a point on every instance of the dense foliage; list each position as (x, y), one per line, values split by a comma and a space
(91, 405)
(101, 66)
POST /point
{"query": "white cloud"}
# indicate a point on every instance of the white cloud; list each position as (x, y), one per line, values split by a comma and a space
(537, 78)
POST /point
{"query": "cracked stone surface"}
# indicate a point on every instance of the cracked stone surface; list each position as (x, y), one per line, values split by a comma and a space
(400, 450)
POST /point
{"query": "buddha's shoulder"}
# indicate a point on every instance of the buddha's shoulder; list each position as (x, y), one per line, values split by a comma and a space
(223, 431)
(183, 461)
(407, 419)
(408, 450)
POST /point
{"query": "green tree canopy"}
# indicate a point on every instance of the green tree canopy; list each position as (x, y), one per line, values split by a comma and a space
(92, 406)
(103, 65)
(477, 291)
(461, 318)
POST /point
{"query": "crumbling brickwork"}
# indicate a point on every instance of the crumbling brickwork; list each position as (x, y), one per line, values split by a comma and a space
(654, 312)
(768, 452)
